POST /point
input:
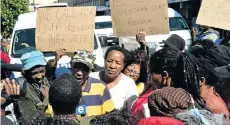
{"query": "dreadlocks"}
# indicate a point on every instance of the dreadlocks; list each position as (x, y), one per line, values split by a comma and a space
(205, 44)
(182, 67)
(209, 53)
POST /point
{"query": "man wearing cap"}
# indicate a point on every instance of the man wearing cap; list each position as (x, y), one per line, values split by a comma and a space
(36, 99)
(95, 93)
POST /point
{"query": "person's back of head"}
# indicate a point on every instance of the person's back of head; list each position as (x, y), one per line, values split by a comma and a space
(205, 44)
(182, 68)
(169, 101)
(207, 50)
(116, 117)
(175, 41)
(65, 94)
(226, 36)
(44, 120)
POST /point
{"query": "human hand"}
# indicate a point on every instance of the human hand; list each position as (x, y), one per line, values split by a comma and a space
(45, 91)
(11, 87)
(140, 38)
(195, 31)
(59, 53)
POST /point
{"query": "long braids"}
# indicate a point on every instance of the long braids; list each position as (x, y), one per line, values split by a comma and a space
(186, 74)
(205, 49)
(182, 67)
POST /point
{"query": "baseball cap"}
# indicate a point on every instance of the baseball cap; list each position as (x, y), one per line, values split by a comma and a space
(31, 59)
(84, 57)
(223, 72)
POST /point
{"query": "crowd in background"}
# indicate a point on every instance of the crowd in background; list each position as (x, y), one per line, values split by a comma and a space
(174, 86)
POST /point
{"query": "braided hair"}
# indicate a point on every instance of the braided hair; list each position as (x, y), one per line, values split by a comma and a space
(138, 57)
(182, 68)
(205, 44)
(208, 52)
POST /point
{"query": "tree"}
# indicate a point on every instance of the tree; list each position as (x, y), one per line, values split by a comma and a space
(10, 10)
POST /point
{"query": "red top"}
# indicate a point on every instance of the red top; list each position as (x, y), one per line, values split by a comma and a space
(160, 121)
(137, 105)
(5, 58)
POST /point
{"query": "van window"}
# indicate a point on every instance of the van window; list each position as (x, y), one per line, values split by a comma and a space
(177, 23)
(103, 25)
(24, 42)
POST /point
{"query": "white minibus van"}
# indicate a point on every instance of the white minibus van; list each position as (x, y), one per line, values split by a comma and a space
(23, 41)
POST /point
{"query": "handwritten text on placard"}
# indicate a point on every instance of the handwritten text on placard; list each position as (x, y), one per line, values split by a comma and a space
(215, 13)
(67, 27)
(132, 16)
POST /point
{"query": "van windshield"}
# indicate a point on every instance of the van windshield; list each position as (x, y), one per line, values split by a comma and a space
(177, 23)
(24, 42)
(103, 25)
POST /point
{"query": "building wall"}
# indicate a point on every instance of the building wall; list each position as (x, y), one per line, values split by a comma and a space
(84, 2)
(39, 2)
(90, 3)
(69, 2)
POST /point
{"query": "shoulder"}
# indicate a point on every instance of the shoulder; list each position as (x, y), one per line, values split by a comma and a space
(94, 75)
(96, 82)
(127, 80)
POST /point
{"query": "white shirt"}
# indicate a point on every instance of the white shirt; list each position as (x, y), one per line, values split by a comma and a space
(125, 89)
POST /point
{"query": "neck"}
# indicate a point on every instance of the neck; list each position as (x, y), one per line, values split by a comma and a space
(110, 80)
(83, 85)
(204, 89)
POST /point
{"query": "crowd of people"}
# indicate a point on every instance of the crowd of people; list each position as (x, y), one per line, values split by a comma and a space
(174, 86)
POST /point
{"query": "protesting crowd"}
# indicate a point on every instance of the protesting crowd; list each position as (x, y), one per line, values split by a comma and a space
(69, 66)
(174, 86)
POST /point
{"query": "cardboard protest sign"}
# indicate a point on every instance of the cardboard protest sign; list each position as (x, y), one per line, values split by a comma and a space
(132, 16)
(215, 13)
(66, 27)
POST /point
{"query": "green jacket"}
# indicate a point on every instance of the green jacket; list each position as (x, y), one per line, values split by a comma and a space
(32, 104)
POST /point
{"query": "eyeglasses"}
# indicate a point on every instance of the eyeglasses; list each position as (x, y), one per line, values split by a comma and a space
(132, 71)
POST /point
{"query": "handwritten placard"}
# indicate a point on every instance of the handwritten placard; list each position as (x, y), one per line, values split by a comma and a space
(215, 13)
(66, 27)
(132, 16)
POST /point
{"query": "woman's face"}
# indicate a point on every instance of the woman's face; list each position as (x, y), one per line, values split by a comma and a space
(133, 71)
(114, 64)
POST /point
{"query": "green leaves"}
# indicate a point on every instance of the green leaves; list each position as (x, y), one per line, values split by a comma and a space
(10, 10)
